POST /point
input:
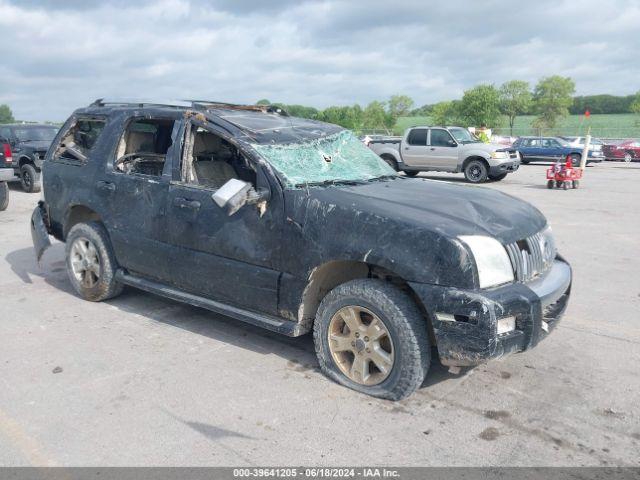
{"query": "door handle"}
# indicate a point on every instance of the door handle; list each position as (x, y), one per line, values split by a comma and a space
(106, 186)
(186, 203)
(406, 148)
(432, 148)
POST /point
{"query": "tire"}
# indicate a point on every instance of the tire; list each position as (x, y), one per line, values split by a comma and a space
(550, 184)
(628, 157)
(576, 184)
(559, 183)
(29, 178)
(575, 159)
(565, 185)
(4, 196)
(523, 161)
(497, 178)
(93, 286)
(476, 171)
(411, 173)
(405, 336)
(391, 162)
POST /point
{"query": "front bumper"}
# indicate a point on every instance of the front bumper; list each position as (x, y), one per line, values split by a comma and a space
(6, 174)
(465, 321)
(505, 167)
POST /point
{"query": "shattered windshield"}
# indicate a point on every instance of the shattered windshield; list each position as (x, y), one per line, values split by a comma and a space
(337, 158)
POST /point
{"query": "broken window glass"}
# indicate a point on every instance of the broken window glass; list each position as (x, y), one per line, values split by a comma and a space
(340, 157)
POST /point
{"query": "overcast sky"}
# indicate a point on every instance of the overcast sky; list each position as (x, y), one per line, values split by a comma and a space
(58, 55)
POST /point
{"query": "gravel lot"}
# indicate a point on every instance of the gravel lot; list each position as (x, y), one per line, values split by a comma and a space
(140, 380)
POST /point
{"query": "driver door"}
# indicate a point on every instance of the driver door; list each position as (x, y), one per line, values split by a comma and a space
(228, 258)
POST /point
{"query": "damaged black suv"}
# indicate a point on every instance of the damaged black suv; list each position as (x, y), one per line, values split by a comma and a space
(294, 225)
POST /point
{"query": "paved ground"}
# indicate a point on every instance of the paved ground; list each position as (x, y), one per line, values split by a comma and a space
(145, 381)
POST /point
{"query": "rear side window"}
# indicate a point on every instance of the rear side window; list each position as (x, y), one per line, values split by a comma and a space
(79, 140)
(418, 136)
(143, 147)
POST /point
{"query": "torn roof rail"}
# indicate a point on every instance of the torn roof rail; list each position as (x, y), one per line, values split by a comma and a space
(196, 104)
(102, 102)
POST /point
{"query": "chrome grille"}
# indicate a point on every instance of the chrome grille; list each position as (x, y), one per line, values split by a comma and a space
(532, 256)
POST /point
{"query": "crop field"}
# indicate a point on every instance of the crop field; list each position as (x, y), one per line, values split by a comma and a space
(624, 125)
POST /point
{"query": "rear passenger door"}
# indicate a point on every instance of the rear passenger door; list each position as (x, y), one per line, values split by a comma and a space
(228, 258)
(134, 185)
(414, 150)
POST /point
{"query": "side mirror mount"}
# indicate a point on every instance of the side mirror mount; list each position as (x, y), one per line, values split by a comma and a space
(235, 194)
(452, 143)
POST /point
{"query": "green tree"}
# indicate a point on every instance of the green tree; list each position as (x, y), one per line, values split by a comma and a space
(480, 106)
(515, 99)
(635, 105)
(374, 116)
(6, 115)
(399, 106)
(263, 101)
(552, 99)
(446, 113)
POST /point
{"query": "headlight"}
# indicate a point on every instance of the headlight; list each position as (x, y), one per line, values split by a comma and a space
(499, 155)
(492, 260)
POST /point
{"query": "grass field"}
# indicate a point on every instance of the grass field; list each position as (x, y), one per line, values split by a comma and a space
(624, 125)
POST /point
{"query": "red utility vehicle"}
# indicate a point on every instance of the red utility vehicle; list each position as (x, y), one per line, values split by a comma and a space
(564, 175)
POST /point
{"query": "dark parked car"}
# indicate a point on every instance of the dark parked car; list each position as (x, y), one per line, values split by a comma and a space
(6, 174)
(628, 151)
(295, 226)
(26, 145)
(552, 149)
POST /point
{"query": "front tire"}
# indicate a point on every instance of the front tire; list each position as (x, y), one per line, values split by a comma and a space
(91, 264)
(476, 171)
(4, 196)
(370, 336)
(628, 157)
(411, 173)
(30, 179)
(497, 178)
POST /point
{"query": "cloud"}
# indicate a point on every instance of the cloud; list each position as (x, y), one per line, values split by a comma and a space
(62, 55)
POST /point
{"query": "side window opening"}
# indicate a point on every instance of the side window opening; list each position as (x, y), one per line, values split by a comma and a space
(418, 137)
(79, 140)
(211, 161)
(143, 147)
(440, 138)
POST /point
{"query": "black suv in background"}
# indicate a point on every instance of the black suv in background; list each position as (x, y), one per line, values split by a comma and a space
(24, 146)
(294, 225)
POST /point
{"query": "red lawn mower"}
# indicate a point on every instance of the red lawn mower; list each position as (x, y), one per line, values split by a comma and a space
(564, 175)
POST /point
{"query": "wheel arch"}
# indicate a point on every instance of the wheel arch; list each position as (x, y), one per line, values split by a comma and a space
(329, 275)
(475, 157)
(24, 160)
(78, 214)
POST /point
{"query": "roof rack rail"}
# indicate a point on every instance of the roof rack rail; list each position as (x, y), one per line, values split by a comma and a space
(102, 102)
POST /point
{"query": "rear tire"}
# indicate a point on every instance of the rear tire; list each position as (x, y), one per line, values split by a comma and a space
(29, 178)
(628, 157)
(575, 159)
(565, 185)
(550, 184)
(351, 356)
(391, 162)
(523, 160)
(476, 171)
(411, 173)
(91, 264)
(576, 183)
(4, 196)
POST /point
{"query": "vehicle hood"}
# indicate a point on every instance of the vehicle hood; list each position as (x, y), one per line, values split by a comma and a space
(35, 145)
(483, 147)
(448, 209)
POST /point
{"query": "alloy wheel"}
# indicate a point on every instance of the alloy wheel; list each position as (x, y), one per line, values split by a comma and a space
(85, 262)
(360, 345)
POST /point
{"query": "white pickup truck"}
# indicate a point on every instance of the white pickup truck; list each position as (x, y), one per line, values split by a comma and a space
(446, 149)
